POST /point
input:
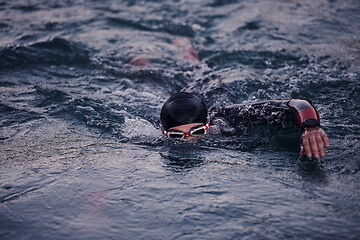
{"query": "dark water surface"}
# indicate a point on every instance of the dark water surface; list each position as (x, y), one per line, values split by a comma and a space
(81, 154)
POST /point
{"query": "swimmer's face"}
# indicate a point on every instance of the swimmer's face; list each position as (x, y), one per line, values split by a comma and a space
(186, 129)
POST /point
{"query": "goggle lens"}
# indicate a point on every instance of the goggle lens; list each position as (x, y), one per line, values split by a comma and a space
(175, 134)
(195, 132)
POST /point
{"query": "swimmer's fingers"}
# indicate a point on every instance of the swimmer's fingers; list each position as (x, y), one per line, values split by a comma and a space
(314, 146)
(313, 141)
(306, 149)
(322, 140)
(325, 139)
(320, 144)
(302, 150)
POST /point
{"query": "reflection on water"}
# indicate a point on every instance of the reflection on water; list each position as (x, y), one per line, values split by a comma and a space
(312, 170)
(183, 157)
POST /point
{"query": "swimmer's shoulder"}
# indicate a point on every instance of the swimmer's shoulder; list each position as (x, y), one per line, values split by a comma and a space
(277, 103)
(241, 108)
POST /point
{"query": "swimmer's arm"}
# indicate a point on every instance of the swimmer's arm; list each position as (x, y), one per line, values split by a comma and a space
(303, 114)
(272, 112)
(313, 137)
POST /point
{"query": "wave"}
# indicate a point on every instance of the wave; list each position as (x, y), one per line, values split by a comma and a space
(56, 51)
(255, 59)
(94, 113)
(47, 97)
(179, 29)
(10, 115)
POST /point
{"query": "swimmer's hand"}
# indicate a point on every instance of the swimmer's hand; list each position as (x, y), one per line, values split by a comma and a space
(313, 141)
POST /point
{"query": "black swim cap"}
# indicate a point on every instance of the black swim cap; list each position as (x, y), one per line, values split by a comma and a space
(183, 108)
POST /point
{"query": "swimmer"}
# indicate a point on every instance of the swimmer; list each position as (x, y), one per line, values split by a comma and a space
(185, 51)
(185, 116)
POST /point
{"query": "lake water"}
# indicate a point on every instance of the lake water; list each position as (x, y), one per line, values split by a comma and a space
(81, 152)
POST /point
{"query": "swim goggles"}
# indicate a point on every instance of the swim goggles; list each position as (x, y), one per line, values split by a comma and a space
(197, 131)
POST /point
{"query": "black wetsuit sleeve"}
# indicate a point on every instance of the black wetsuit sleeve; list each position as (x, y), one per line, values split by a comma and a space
(284, 113)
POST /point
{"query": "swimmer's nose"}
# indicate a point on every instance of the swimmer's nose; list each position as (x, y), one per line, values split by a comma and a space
(191, 139)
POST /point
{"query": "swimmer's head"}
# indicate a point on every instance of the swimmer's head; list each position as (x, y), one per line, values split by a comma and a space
(183, 108)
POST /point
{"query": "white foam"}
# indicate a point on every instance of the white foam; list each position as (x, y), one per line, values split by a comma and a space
(138, 127)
